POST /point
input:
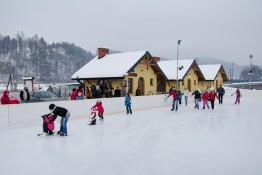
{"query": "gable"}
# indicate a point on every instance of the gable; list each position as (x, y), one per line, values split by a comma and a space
(169, 68)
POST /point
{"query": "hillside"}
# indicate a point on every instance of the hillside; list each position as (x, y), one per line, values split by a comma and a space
(54, 62)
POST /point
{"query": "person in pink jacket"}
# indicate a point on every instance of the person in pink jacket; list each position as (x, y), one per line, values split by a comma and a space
(100, 109)
(205, 99)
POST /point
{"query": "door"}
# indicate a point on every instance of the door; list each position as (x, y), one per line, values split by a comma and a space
(141, 85)
(189, 85)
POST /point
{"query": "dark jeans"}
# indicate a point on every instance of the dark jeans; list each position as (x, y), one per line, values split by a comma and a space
(128, 109)
(220, 98)
(212, 103)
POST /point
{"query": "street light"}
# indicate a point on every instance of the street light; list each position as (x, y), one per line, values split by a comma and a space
(250, 70)
(178, 43)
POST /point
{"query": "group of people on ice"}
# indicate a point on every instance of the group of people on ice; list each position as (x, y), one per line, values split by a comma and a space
(205, 96)
(96, 110)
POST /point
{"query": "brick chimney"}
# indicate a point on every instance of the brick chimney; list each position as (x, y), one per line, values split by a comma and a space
(101, 52)
(156, 59)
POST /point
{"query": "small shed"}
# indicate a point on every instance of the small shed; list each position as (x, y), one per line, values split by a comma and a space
(29, 82)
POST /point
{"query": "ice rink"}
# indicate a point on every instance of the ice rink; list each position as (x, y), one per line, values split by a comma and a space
(226, 141)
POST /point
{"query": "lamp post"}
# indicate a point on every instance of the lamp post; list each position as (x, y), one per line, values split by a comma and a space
(250, 70)
(178, 43)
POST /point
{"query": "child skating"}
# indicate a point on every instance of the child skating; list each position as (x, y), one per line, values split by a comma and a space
(92, 119)
(100, 109)
(205, 99)
(48, 124)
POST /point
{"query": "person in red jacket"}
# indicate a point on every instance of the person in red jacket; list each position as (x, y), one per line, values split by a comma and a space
(100, 109)
(5, 98)
(174, 93)
(212, 96)
(73, 94)
(205, 99)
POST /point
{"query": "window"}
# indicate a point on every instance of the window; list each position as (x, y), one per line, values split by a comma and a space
(130, 85)
(151, 82)
(194, 82)
(182, 82)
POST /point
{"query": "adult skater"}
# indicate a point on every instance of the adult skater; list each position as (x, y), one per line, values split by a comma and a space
(128, 104)
(174, 94)
(212, 96)
(238, 95)
(197, 95)
(99, 108)
(186, 94)
(221, 93)
(64, 114)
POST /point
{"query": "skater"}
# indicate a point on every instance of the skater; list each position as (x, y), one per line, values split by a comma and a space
(128, 104)
(221, 93)
(174, 94)
(238, 95)
(205, 99)
(48, 124)
(197, 95)
(212, 96)
(99, 108)
(186, 94)
(179, 97)
(92, 119)
(64, 114)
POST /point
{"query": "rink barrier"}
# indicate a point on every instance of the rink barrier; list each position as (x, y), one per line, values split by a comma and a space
(25, 114)
(29, 113)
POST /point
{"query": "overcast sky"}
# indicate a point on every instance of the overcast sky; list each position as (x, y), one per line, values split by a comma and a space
(226, 29)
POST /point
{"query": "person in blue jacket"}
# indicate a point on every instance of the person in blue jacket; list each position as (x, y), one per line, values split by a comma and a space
(128, 104)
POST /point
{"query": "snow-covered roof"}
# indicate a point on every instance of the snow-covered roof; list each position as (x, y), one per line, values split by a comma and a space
(210, 70)
(28, 78)
(111, 65)
(169, 68)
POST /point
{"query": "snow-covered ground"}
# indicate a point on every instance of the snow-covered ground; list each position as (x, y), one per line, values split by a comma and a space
(226, 141)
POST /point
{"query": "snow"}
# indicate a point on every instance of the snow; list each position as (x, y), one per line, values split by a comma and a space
(210, 71)
(111, 65)
(151, 141)
(169, 68)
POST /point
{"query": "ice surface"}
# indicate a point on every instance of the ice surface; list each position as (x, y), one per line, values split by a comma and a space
(226, 141)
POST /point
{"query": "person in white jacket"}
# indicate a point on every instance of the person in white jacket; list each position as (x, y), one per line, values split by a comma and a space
(186, 94)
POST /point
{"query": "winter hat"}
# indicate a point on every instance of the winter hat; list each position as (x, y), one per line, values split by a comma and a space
(51, 106)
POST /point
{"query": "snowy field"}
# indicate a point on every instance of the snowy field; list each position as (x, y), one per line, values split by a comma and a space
(226, 141)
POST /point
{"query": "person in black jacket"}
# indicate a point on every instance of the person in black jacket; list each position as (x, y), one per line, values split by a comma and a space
(197, 94)
(64, 114)
(221, 93)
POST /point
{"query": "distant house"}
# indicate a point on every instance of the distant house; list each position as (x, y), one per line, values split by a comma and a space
(128, 71)
(189, 74)
(214, 74)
